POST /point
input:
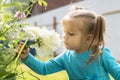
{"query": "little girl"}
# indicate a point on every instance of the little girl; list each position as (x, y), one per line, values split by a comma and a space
(85, 57)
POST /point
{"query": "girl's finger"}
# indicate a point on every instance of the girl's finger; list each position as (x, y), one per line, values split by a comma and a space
(21, 44)
(18, 49)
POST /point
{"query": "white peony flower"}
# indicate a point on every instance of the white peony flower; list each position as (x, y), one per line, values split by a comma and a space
(46, 41)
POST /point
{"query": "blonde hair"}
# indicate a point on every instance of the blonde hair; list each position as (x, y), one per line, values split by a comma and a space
(93, 24)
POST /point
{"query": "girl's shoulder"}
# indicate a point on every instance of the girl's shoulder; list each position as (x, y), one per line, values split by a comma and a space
(106, 52)
(106, 49)
(107, 55)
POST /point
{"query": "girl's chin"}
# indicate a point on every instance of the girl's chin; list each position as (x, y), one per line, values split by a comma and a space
(67, 47)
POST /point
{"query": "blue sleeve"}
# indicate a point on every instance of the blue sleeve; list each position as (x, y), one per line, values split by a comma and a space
(40, 67)
(110, 64)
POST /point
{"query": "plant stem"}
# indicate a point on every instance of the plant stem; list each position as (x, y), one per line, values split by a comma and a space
(21, 50)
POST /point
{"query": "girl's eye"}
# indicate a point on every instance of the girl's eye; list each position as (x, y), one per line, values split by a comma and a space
(71, 34)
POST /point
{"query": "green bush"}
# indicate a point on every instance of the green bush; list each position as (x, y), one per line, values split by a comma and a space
(10, 14)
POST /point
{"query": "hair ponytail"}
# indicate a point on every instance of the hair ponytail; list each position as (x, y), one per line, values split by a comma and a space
(98, 41)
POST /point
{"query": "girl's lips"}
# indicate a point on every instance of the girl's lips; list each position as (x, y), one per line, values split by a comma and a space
(65, 43)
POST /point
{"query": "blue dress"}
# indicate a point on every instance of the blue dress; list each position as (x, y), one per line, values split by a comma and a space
(76, 67)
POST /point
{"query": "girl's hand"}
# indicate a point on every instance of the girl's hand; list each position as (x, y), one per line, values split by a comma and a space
(25, 51)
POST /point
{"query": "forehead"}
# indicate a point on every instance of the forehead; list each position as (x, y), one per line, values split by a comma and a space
(73, 24)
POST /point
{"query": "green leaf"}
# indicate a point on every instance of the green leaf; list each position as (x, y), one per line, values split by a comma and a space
(7, 5)
(3, 73)
(11, 76)
(19, 5)
(1, 45)
(40, 2)
(2, 38)
(8, 16)
(2, 63)
(45, 3)
(33, 1)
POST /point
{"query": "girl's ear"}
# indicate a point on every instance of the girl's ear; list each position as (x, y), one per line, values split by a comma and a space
(89, 38)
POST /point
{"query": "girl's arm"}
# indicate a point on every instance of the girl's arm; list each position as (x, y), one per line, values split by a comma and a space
(110, 64)
(40, 67)
(118, 61)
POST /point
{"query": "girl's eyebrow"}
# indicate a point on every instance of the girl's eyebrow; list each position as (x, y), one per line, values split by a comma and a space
(70, 31)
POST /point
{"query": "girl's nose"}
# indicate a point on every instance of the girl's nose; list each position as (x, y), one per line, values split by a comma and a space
(65, 37)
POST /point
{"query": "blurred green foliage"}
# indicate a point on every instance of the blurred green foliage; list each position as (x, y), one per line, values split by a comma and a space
(10, 34)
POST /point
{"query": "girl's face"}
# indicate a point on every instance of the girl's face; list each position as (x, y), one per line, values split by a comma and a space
(73, 37)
